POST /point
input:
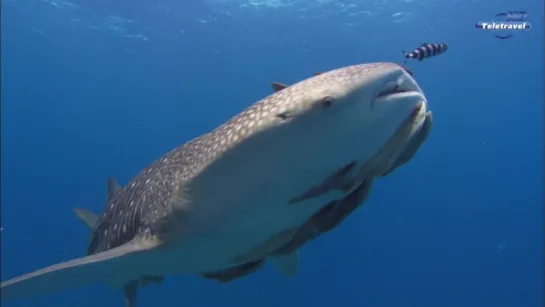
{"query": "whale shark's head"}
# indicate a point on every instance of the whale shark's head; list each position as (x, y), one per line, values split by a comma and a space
(295, 139)
(342, 111)
(277, 163)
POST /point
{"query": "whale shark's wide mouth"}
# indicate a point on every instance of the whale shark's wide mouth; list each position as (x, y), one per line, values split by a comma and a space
(396, 90)
(396, 93)
(400, 82)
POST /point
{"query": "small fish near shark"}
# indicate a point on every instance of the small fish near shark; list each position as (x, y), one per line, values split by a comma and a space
(287, 169)
(426, 50)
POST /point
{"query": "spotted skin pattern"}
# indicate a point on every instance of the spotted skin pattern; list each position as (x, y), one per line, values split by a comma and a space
(150, 207)
(142, 206)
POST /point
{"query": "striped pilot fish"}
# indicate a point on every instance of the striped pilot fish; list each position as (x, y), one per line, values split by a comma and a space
(425, 50)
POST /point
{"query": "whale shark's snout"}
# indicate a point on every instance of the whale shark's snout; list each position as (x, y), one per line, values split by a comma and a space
(395, 86)
(402, 100)
(382, 110)
(397, 95)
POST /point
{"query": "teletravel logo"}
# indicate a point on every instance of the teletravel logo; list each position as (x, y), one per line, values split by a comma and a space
(504, 24)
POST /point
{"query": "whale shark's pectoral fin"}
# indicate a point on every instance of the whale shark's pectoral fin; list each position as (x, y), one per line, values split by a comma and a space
(278, 86)
(287, 264)
(105, 267)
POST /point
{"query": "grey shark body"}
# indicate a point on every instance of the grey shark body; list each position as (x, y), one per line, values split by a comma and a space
(287, 263)
(257, 186)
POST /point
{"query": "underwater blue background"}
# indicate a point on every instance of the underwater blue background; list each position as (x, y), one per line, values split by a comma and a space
(92, 89)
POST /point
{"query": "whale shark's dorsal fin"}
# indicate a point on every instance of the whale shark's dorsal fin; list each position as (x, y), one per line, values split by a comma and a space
(278, 86)
(113, 188)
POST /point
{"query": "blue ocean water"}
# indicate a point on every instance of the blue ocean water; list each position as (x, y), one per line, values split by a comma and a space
(92, 89)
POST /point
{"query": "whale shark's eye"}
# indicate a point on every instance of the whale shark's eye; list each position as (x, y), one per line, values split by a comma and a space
(327, 101)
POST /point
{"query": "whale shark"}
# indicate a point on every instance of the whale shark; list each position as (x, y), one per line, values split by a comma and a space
(287, 168)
